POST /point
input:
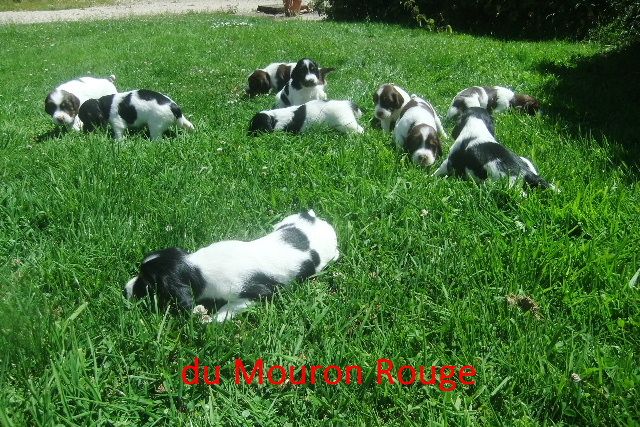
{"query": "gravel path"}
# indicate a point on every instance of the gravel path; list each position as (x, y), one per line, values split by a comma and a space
(145, 7)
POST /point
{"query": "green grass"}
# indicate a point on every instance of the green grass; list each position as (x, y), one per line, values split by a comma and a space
(26, 5)
(426, 264)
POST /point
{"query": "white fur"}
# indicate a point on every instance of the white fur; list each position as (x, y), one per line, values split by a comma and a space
(82, 88)
(336, 114)
(423, 113)
(385, 115)
(226, 266)
(158, 118)
(470, 98)
(312, 87)
(272, 70)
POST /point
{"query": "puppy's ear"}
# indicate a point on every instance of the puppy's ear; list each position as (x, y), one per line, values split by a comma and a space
(258, 83)
(396, 100)
(175, 292)
(324, 72)
(261, 123)
(91, 115)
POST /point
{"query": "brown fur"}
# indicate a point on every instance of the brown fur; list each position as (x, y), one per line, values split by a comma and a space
(259, 83)
(525, 103)
(415, 138)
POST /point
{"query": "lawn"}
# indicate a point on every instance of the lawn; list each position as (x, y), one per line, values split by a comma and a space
(427, 264)
(28, 5)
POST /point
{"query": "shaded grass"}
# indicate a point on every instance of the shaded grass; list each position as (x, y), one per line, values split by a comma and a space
(426, 264)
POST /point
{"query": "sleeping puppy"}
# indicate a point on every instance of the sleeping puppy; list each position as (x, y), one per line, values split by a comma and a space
(240, 273)
(273, 76)
(389, 100)
(306, 84)
(493, 98)
(63, 103)
(133, 109)
(477, 154)
(418, 131)
(339, 115)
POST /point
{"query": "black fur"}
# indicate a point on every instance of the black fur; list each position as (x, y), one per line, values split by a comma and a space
(295, 238)
(150, 95)
(127, 111)
(307, 216)
(261, 123)
(296, 123)
(259, 285)
(170, 278)
(177, 112)
(307, 269)
(91, 115)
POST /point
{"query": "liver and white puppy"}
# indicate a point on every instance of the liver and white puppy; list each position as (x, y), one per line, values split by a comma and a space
(306, 84)
(133, 109)
(273, 76)
(237, 272)
(492, 98)
(477, 154)
(63, 103)
(418, 131)
(389, 100)
(339, 115)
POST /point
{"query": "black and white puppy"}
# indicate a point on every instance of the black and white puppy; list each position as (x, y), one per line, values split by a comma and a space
(63, 103)
(306, 84)
(237, 272)
(476, 153)
(492, 98)
(273, 76)
(389, 100)
(418, 131)
(340, 115)
(133, 109)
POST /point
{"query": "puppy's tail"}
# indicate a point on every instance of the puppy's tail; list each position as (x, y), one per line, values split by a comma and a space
(180, 118)
(112, 78)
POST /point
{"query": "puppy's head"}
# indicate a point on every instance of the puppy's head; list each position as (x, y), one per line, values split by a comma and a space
(262, 123)
(62, 106)
(259, 83)
(318, 232)
(423, 145)
(474, 116)
(306, 73)
(388, 100)
(525, 103)
(92, 115)
(167, 276)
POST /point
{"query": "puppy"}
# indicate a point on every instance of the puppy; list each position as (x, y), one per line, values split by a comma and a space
(476, 153)
(63, 103)
(389, 100)
(418, 131)
(273, 76)
(339, 115)
(133, 109)
(493, 98)
(306, 84)
(240, 273)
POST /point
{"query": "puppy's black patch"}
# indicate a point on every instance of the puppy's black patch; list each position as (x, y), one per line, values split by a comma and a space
(261, 123)
(492, 98)
(298, 74)
(150, 95)
(49, 106)
(283, 74)
(259, 285)
(307, 217)
(296, 238)
(177, 112)
(170, 277)
(127, 111)
(297, 121)
(284, 98)
(307, 269)
(315, 258)
(91, 115)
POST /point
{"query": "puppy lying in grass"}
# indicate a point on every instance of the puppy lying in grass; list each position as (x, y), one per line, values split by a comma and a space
(476, 153)
(340, 115)
(492, 98)
(239, 273)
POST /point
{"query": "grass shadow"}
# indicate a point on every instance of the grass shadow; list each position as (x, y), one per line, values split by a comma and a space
(599, 95)
(53, 133)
